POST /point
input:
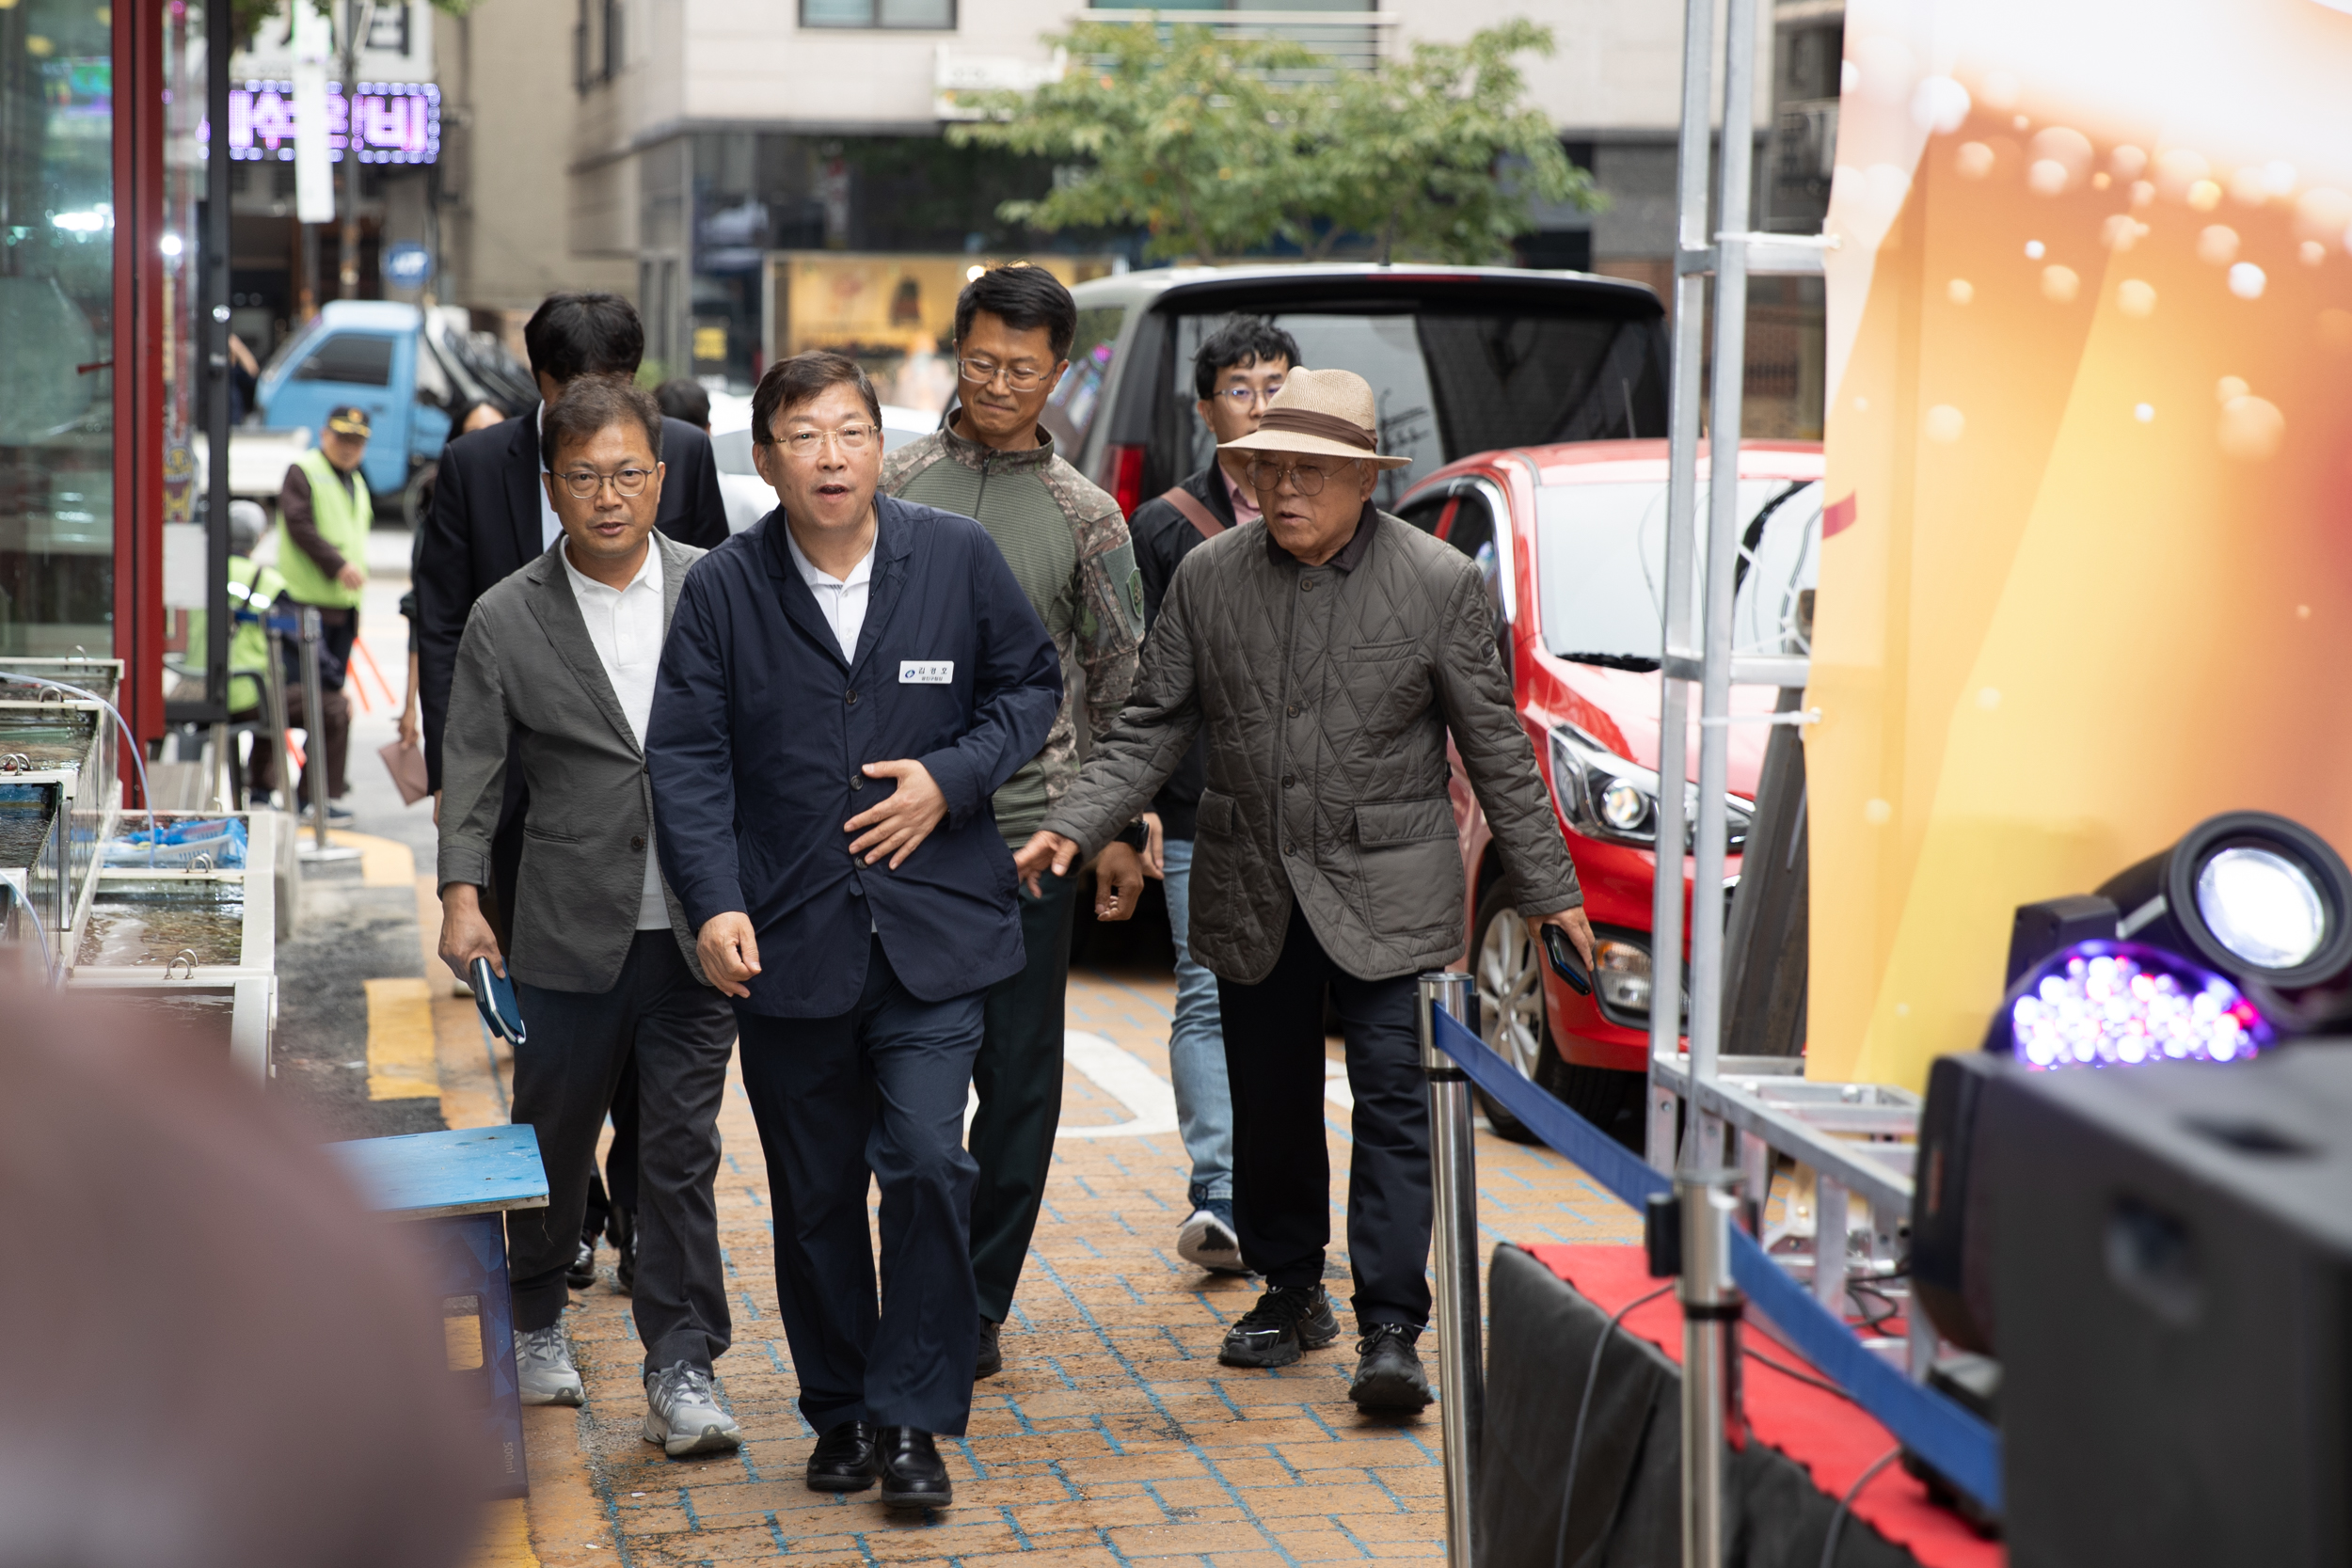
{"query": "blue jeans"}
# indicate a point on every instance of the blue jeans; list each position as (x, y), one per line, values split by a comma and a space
(1195, 1045)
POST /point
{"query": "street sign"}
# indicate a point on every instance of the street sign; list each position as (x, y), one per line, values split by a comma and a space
(407, 265)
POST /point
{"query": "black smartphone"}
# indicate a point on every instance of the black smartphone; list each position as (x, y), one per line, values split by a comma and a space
(1565, 964)
(494, 993)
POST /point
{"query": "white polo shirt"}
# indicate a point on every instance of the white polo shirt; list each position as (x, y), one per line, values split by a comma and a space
(840, 600)
(624, 625)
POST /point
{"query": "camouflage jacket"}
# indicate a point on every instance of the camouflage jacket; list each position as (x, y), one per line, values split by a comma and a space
(1068, 546)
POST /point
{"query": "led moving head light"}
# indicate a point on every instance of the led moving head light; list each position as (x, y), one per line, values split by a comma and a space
(2261, 899)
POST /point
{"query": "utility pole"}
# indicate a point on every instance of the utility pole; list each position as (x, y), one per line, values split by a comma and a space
(355, 14)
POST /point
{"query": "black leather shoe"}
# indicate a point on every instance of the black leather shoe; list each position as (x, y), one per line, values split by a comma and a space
(843, 1460)
(1288, 1319)
(992, 1358)
(1388, 1376)
(912, 1475)
(582, 1272)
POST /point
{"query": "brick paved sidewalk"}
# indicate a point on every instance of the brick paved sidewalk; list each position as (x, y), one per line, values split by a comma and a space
(1111, 1437)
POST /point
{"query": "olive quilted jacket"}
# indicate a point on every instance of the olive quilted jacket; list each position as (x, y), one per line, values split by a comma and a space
(1326, 694)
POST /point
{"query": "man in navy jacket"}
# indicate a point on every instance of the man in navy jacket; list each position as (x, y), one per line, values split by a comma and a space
(844, 685)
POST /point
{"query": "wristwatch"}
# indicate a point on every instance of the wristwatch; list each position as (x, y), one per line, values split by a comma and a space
(1134, 836)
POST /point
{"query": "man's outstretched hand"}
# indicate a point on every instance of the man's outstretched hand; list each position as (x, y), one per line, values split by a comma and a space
(1044, 852)
(729, 952)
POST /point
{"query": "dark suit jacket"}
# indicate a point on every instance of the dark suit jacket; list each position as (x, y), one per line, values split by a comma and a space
(1163, 537)
(760, 728)
(485, 527)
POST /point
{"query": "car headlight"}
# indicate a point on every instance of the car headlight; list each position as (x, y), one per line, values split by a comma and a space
(1603, 796)
(1621, 974)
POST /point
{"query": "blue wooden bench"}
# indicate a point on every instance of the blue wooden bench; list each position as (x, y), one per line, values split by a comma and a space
(458, 1183)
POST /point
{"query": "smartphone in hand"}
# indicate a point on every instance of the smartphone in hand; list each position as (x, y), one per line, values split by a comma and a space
(1565, 964)
(494, 993)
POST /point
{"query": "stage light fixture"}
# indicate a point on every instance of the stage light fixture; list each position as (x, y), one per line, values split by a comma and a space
(2122, 1004)
(2263, 899)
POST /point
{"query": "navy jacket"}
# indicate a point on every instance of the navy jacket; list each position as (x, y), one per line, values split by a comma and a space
(760, 729)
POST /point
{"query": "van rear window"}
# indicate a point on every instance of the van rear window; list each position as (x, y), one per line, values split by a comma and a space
(355, 358)
(1069, 409)
(1451, 383)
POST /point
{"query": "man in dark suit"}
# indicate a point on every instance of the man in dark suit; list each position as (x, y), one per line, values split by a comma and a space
(846, 685)
(490, 516)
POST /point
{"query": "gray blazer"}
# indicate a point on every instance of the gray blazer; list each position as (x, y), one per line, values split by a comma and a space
(527, 673)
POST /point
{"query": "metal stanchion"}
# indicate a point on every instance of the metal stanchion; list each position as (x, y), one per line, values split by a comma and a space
(1454, 1172)
(314, 763)
(1709, 1202)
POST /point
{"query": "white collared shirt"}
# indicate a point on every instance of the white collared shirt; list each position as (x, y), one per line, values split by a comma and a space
(624, 625)
(551, 526)
(840, 600)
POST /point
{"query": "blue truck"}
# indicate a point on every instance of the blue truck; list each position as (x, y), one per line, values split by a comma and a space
(412, 369)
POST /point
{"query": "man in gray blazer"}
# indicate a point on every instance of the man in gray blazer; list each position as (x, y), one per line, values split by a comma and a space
(559, 661)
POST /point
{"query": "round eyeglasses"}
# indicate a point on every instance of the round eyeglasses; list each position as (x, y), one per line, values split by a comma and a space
(628, 483)
(1020, 378)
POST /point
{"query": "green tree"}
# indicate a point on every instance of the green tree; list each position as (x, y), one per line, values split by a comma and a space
(1218, 146)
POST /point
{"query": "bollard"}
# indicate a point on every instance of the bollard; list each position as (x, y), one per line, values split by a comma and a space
(1453, 1178)
(1709, 1201)
(315, 709)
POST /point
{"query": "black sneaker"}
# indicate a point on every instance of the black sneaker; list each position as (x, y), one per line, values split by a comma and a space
(1389, 1376)
(582, 1272)
(1288, 1319)
(992, 1358)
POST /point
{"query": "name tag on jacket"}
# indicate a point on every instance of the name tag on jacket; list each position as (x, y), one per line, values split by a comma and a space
(926, 671)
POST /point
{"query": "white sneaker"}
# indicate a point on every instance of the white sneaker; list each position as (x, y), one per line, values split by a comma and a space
(1206, 1241)
(682, 1412)
(543, 1373)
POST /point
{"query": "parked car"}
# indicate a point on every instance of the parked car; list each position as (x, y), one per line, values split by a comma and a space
(1572, 540)
(748, 496)
(409, 368)
(1464, 359)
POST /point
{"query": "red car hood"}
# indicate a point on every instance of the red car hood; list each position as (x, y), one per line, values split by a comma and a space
(1619, 708)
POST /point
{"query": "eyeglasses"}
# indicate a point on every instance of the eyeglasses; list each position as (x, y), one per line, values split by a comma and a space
(1245, 394)
(809, 443)
(1269, 476)
(628, 483)
(1020, 378)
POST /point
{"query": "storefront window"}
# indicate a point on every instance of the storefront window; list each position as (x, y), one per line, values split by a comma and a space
(56, 280)
(185, 137)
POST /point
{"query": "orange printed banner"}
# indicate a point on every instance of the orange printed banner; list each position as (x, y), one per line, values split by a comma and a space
(2086, 570)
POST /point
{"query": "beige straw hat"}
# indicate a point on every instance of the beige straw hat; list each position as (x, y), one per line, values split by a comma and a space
(1321, 413)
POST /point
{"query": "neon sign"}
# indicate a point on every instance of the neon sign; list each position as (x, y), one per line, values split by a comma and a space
(399, 123)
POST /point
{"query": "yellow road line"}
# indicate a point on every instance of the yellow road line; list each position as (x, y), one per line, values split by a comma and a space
(383, 861)
(403, 1063)
(505, 1537)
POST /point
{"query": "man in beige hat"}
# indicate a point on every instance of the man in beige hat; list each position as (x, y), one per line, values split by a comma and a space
(1325, 651)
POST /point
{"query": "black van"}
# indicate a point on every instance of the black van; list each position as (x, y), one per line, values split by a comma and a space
(1461, 360)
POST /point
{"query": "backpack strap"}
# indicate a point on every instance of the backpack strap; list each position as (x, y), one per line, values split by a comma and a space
(1199, 517)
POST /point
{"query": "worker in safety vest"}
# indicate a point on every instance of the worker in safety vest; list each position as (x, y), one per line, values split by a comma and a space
(324, 514)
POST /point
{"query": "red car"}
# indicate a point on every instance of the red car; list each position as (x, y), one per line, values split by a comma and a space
(1572, 539)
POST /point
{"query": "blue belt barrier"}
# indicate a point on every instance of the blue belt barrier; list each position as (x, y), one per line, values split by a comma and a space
(1961, 1446)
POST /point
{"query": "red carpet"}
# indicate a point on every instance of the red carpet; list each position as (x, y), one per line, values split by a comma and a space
(1834, 1439)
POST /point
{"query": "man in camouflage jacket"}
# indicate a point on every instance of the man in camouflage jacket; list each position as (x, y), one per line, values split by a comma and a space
(1068, 548)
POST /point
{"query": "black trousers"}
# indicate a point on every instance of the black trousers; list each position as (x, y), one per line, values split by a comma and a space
(680, 1033)
(1281, 1168)
(1017, 1078)
(617, 1187)
(875, 1093)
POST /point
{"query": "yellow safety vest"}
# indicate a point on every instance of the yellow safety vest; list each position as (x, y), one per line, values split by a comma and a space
(251, 591)
(343, 521)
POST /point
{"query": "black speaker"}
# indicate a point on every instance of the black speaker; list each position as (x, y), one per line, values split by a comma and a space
(1951, 1216)
(2172, 1278)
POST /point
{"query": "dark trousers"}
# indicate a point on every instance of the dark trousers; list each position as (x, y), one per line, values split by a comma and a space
(617, 1188)
(681, 1032)
(875, 1093)
(1281, 1168)
(1017, 1078)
